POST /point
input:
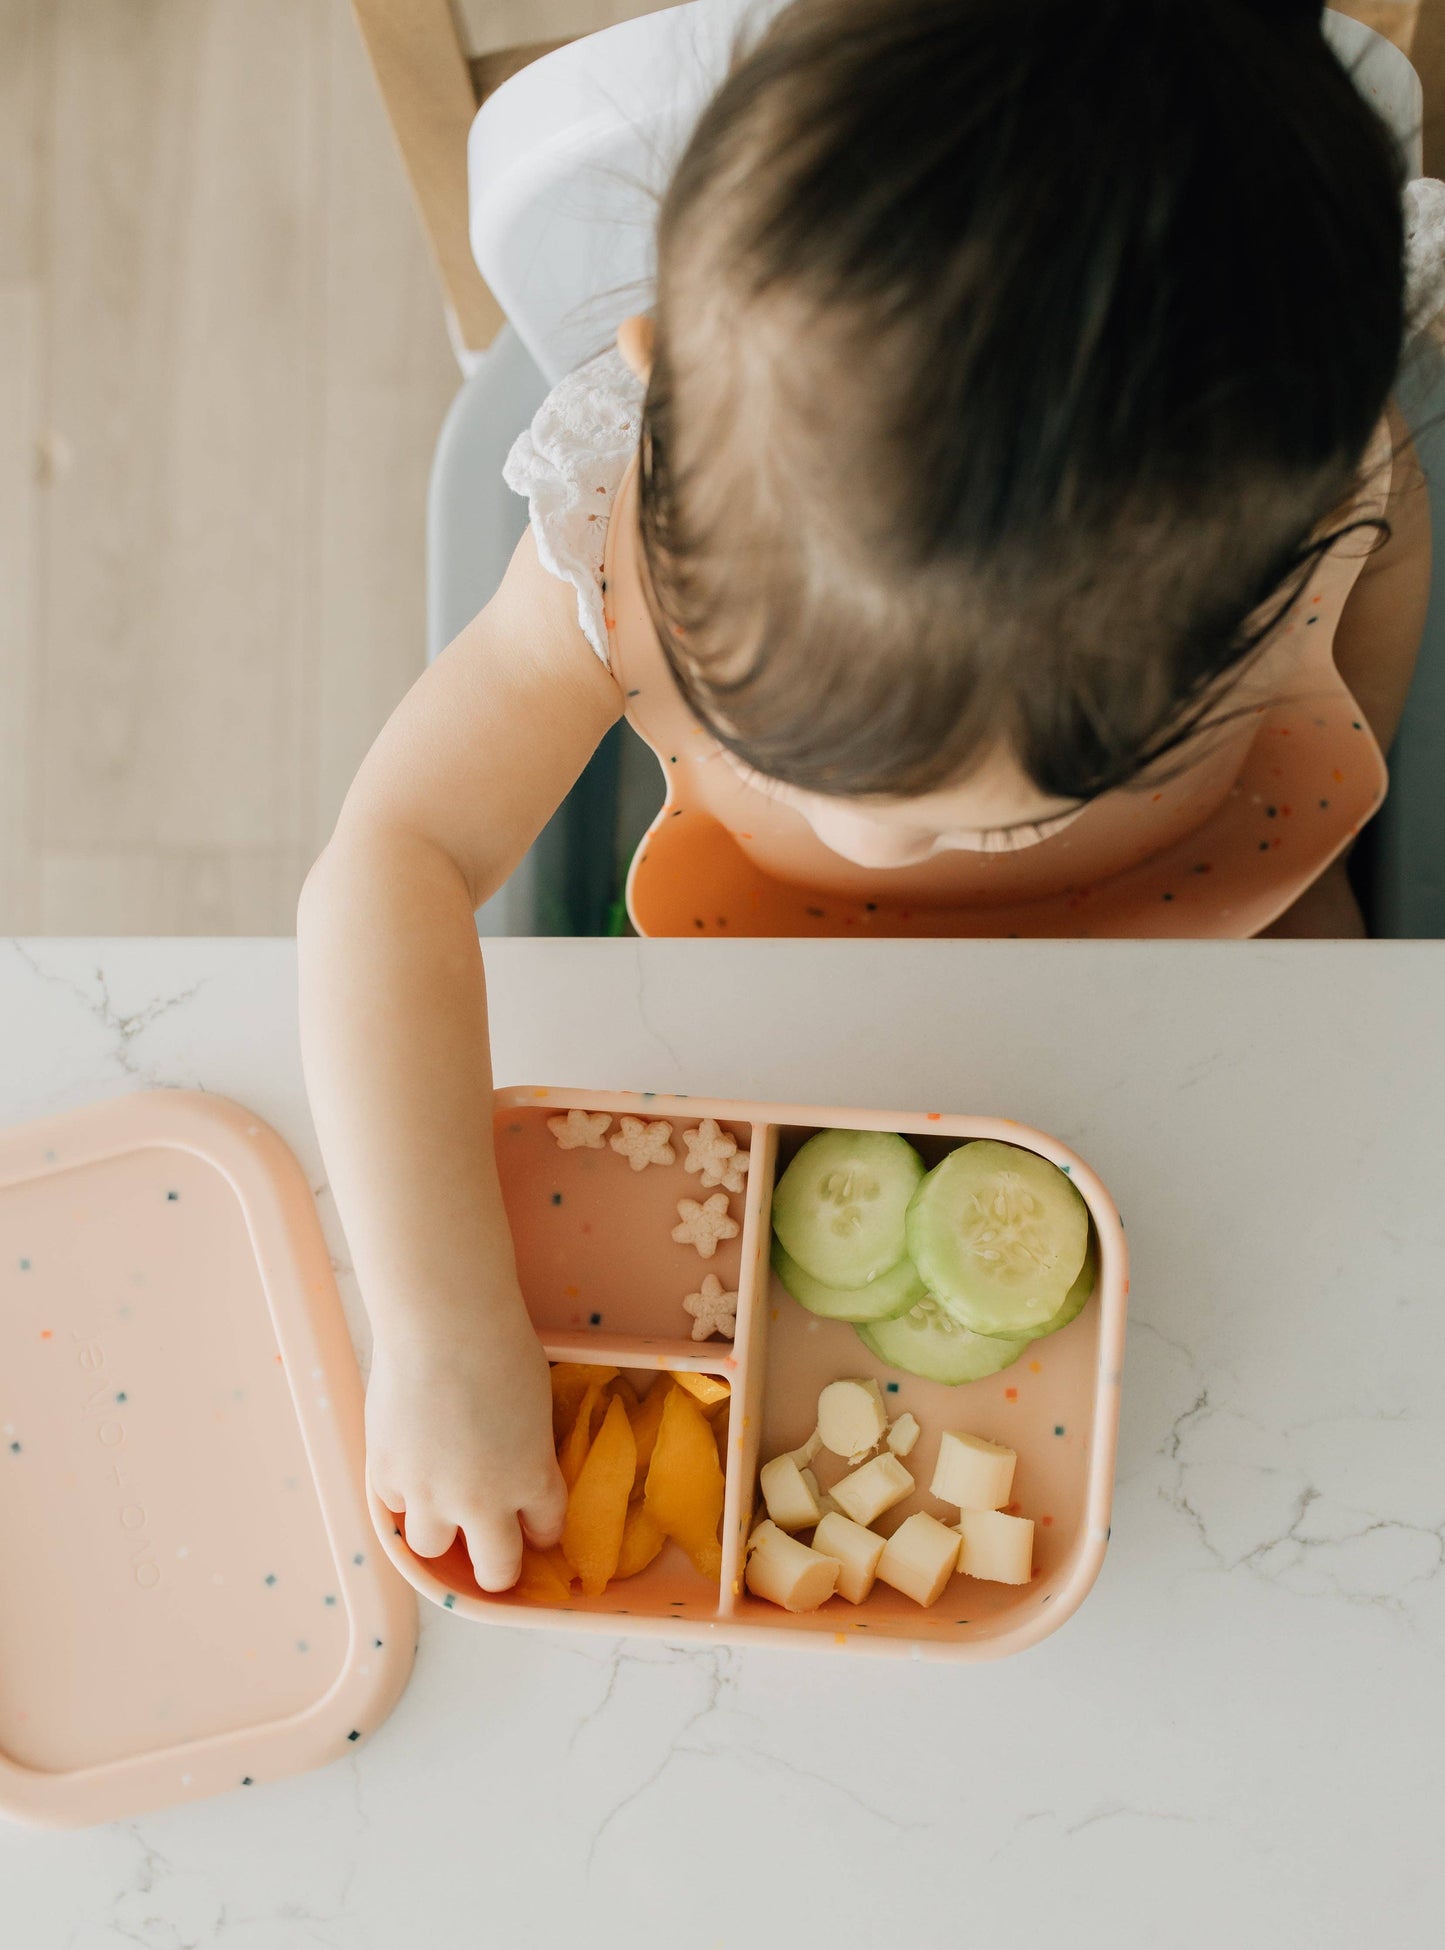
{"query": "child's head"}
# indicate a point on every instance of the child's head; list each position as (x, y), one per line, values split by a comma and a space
(1010, 359)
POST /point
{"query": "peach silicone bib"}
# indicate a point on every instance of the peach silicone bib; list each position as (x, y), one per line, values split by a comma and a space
(1221, 851)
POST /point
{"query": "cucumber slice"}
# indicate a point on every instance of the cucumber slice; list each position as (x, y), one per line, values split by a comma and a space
(891, 1294)
(839, 1207)
(928, 1341)
(1075, 1300)
(999, 1235)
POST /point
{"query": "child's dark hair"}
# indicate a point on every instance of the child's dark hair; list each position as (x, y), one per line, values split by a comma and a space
(1011, 357)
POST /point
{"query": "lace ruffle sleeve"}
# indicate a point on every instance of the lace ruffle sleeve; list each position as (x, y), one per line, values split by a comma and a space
(568, 464)
(1424, 254)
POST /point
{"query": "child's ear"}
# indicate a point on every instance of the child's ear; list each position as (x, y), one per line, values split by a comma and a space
(634, 342)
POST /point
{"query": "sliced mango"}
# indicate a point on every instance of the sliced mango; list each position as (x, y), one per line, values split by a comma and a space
(642, 1539)
(557, 1559)
(597, 1505)
(708, 1388)
(638, 1471)
(541, 1582)
(685, 1481)
(570, 1382)
(646, 1420)
(573, 1453)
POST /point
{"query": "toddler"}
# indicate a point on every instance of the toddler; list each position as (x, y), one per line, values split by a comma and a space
(1010, 447)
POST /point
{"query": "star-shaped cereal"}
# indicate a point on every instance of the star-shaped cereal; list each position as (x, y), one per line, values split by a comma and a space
(703, 1225)
(714, 1152)
(579, 1129)
(712, 1310)
(644, 1144)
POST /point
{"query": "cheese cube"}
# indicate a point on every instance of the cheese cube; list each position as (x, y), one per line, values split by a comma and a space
(787, 1573)
(919, 1558)
(871, 1490)
(792, 1505)
(857, 1551)
(903, 1434)
(996, 1547)
(851, 1418)
(972, 1473)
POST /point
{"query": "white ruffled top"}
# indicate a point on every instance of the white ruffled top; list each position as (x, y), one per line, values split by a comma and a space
(569, 464)
(571, 460)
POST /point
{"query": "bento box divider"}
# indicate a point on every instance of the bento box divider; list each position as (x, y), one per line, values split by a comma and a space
(750, 1352)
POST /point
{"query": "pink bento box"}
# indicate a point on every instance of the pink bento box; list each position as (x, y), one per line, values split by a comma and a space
(605, 1282)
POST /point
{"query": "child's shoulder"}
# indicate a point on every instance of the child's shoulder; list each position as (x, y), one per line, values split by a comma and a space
(1406, 505)
(1406, 471)
(1377, 639)
(569, 463)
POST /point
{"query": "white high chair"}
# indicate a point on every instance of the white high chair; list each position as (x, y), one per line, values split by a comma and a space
(564, 160)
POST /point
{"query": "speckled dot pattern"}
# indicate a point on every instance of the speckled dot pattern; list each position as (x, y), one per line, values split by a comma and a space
(1058, 1407)
(156, 1494)
(578, 1218)
(169, 1533)
(1311, 779)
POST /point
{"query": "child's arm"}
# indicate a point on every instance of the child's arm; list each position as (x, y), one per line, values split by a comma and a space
(394, 1031)
(1376, 643)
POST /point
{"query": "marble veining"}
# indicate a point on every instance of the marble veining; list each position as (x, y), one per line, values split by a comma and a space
(1236, 1739)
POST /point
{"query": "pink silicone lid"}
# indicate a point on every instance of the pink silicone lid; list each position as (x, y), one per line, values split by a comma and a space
(193, 1600)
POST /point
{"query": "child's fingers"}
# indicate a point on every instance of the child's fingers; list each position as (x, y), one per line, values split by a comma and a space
(543, 1516)
(494, 1545)
(429, 1533)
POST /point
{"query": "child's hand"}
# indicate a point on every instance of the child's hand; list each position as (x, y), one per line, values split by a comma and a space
(459, 1436)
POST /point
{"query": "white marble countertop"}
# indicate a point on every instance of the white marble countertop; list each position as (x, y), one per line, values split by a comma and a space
(1239, 1737)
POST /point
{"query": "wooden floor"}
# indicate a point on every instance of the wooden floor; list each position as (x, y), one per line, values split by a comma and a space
(223, 366)
(222, 370)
